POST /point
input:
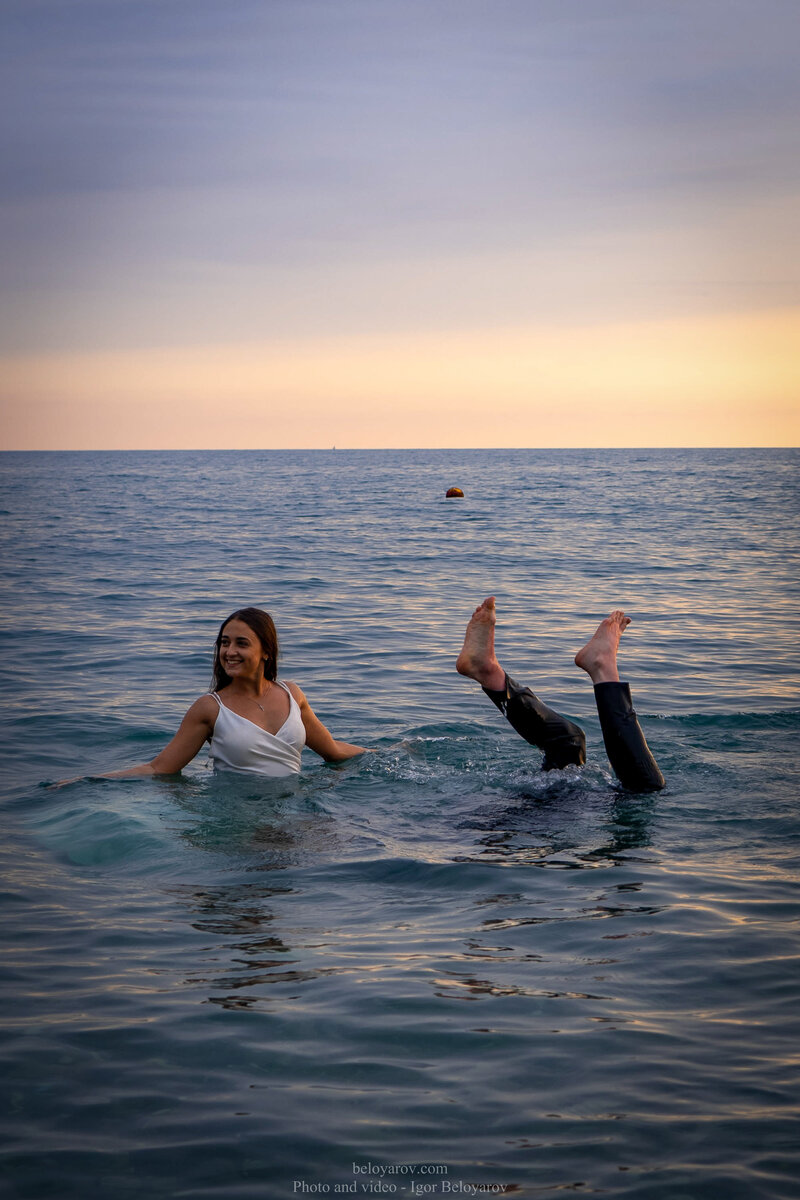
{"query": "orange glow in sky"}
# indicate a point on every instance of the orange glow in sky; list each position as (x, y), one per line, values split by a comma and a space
(730, 380)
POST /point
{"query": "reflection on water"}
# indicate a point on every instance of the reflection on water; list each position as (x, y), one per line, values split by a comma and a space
(240, 918)
(569, 824)
(268, 937)
(218, 985)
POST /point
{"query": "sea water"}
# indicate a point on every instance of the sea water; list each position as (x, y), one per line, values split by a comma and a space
(434, 970)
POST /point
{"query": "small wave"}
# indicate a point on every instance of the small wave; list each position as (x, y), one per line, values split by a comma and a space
(98, 837)
(783, 718)
(411, 873)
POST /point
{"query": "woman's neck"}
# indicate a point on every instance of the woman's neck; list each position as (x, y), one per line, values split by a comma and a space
(250, 687)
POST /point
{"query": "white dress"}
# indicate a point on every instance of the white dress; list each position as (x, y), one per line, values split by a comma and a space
(240, 745)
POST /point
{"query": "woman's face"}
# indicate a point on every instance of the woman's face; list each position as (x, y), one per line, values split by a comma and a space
(241, 654)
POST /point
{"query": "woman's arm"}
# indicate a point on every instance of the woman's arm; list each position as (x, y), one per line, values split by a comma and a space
(318, 738)
(195, 728)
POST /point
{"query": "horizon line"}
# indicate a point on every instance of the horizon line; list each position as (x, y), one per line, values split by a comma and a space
(352, 449)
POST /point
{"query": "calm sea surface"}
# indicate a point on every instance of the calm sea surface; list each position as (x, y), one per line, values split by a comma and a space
(434, 970)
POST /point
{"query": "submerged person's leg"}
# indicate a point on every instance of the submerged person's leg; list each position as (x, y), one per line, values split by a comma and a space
(562, 742)
(627, 750)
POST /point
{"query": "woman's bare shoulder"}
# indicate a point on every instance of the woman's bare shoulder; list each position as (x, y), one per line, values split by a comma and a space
(296, 691)
(205, 708)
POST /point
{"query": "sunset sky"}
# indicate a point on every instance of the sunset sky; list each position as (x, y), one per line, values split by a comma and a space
(291, 223)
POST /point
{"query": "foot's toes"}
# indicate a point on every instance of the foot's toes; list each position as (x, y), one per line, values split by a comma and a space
(485, 611)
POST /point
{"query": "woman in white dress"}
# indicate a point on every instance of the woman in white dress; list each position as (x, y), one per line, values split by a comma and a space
(253, 721)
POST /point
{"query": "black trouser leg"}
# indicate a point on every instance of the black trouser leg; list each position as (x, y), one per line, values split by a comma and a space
(628, 752)
(562, 742)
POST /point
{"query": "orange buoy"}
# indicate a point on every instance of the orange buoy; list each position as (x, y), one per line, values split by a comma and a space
(452, 492)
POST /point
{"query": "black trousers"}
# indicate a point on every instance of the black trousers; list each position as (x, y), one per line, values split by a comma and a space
(564, 743)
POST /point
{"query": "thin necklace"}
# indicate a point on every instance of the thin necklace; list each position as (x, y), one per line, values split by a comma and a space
(261, 706)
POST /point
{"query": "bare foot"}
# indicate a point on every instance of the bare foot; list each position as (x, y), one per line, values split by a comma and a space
(599, 656)
(477, 658)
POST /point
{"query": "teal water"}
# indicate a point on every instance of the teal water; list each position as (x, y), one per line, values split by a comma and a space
(435, 967)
